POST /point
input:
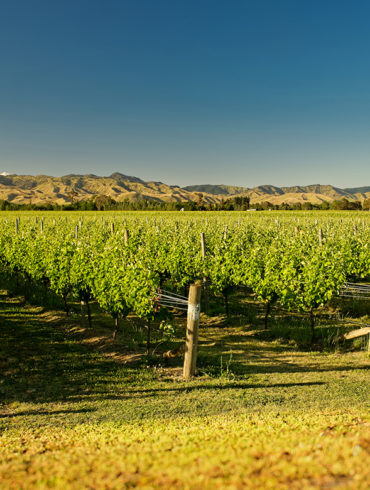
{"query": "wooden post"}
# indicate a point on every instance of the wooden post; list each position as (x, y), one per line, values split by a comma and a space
(112, 228)
(320, 237)
(16, 225)
(42, 225)
(360, 332)
(76, 232)
(205, 284)
(126, 236)
(148, 331)
(203, 243)
(191, 345)
(115, 331)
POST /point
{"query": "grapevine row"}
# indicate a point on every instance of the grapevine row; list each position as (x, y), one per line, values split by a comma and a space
(122, 259)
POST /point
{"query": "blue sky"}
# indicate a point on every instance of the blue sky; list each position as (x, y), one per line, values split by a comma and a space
(234, 92)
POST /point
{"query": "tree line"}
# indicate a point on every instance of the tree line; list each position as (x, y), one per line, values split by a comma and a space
(236, 203)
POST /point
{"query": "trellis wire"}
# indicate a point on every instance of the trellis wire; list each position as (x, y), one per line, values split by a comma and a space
(171, 300)
(354, 290)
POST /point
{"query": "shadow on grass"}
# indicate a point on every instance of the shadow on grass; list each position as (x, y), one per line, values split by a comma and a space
(40, 363)
(218, 387)
(41, 412)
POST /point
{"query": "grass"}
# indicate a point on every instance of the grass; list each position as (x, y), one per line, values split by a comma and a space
(77, 412)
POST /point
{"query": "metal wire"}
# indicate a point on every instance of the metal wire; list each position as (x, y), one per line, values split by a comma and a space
(358, 284)
(171, 300)
(173, 306)
(174, 294)
(353, 296)
(357, 324)
(355, 285)
(355, 290)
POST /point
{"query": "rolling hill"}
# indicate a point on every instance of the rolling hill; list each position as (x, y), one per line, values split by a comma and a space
(22, 189)
(315, 194)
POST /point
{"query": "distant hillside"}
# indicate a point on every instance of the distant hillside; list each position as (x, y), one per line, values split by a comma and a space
(315, 194)
(357, 190)
(361, 192)
(39, 189)
(220, 190)
(61, 190)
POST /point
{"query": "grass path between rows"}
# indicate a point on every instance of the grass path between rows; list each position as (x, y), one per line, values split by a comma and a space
(71, 417)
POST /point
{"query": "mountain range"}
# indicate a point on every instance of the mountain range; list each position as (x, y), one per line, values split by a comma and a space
(23, 189)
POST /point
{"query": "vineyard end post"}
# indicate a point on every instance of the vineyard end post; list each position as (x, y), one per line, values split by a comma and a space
(191, 345)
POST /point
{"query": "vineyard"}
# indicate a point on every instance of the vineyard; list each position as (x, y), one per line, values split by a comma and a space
(299, 262)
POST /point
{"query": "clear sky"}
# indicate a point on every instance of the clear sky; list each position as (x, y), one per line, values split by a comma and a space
(187, 92)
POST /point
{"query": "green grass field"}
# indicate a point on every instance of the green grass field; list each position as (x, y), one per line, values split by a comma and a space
(79, 413)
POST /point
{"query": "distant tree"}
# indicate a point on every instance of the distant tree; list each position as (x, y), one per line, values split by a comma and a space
(221, 204)
(344, 204)
(200, 201)
(103, 202)
(228, 205)
(356, 205)
(284, 206)
(366, 204)
(325, 205)
(241, 203)
(4, 204)
(307, 206)
(87, 205)
(265, 205)
(339, 204)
